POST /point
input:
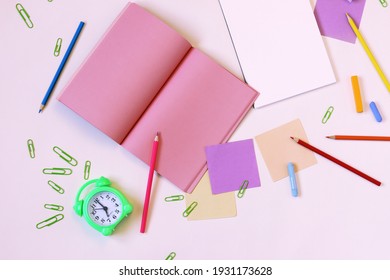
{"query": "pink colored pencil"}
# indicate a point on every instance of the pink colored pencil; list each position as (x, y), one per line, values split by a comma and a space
(149, 185)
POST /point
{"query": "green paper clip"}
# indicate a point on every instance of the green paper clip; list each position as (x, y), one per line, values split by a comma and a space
(174, 198)
(54, 207)
(327, 115)
(243, 188)
(87, 169)
(25, 16)
(57, 48)
(50, 221)
(55, 187)
(65, 156)
(171, 256)
(31, 148)
(384, 3)
(189, 209)
(57, 171)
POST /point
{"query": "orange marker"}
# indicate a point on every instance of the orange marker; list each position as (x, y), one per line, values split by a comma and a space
(356, 94)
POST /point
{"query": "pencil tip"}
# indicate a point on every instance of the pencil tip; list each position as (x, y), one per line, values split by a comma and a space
(331, 137)
(40, 110)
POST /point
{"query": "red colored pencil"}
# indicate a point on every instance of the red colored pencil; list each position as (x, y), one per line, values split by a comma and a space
(358, 137)
(337, 161)
(149, 185)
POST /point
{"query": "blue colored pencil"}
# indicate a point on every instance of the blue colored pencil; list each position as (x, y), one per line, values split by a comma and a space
(64, 59)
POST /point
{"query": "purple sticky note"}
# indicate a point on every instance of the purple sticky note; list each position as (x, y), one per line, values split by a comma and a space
(332, 21)
(231, 164)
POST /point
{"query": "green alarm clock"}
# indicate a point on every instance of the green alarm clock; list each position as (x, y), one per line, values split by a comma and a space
(104, 207)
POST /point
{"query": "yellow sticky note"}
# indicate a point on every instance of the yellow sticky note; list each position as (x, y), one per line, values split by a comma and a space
(278, 149)
(210, 206)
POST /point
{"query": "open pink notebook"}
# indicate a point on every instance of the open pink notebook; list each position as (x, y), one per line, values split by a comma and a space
(143, 77)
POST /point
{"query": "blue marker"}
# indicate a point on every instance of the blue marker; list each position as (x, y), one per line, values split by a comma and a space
(293, 181)
(375, 111)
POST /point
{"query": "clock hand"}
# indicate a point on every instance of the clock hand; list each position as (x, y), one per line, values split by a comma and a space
(106, 212)
(97, 200)
(105, 208)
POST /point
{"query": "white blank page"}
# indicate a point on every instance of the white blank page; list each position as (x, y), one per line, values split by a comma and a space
(279, 47)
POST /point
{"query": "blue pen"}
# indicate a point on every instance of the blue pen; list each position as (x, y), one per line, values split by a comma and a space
(293, 181)
(64, 59)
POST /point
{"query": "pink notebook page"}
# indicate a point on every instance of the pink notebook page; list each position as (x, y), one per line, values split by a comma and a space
(201, 105)
(124, 72)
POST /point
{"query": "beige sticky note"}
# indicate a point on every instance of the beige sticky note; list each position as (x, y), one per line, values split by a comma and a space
(278, 149)
(210, 206)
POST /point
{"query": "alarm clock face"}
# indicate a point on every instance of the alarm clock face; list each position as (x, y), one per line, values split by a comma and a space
(105, 208)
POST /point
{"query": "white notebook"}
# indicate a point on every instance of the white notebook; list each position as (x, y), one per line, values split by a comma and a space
(279, 47)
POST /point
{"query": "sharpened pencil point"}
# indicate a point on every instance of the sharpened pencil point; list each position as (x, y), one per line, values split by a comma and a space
(294, 138)
(331, 137)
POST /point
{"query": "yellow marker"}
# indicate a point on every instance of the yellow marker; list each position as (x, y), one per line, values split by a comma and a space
(369, 53)
(356, 94)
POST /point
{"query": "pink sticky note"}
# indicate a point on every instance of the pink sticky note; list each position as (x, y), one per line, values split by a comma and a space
(231, 164)
(332, 21)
